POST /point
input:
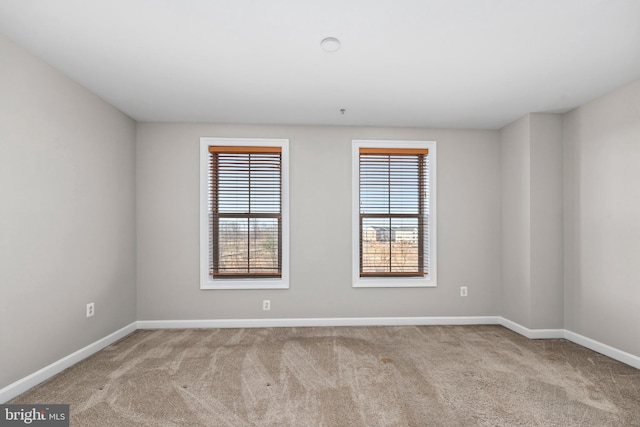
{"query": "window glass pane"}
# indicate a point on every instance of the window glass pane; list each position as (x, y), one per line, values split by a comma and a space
(376, 251)
(263, 247)
(232, 245)
(403, 185)
(374, 184)
(265, 183)
(390, 245)
(248, 183)
(404, 245)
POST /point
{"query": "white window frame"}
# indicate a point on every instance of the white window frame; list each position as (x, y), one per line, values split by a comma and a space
(428, 280)
(206, 282)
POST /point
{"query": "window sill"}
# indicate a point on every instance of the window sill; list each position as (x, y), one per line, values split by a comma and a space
(395, 282)
(244, 284)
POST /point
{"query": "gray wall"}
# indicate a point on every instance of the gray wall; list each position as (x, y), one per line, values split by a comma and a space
(602, 219)
(515, 160)
(532, 222)
(320, 197)
(547, 263)
(66, 215)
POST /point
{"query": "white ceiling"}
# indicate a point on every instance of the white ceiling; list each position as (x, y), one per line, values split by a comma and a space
(423, 63)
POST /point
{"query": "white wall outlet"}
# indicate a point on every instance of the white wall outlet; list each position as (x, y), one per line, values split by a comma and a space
(266, 305)
(90, 309)
(463, 291)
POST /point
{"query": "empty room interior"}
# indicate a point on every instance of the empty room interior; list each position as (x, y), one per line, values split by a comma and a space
(440, 224)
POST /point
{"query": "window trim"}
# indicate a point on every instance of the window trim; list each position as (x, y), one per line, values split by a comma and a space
(206, 282)
(428, 280)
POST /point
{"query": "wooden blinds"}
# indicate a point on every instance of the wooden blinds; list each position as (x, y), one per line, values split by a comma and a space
(245, 205)
(393, 211)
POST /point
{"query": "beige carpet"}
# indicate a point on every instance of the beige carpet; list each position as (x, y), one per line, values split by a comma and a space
(355, 376)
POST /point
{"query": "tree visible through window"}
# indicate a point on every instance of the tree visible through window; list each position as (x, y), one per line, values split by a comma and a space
(393, 212)
(245, 212)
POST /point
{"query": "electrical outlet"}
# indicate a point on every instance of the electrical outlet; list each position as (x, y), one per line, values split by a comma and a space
(266, 305)
(90, 309)
(463, 291)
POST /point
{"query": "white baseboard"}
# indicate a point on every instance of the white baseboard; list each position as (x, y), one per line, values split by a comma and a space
(308, 322)
(12, 390)
(607, 350)
(533, 334)
(612, 352)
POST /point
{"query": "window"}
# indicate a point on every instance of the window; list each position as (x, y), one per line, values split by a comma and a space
(394, 214)
(244, 213)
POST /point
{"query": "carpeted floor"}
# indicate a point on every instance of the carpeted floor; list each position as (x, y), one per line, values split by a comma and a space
(348, 376)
